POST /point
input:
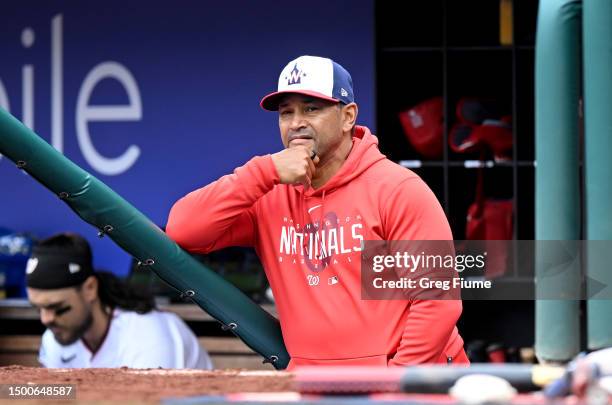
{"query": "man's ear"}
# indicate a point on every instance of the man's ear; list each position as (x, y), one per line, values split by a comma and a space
(349, 117)
(89, 289)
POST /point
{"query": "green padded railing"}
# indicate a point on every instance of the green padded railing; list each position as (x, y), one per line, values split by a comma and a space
(100, 206)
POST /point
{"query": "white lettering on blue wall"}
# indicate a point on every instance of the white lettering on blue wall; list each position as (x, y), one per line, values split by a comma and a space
(84, 112)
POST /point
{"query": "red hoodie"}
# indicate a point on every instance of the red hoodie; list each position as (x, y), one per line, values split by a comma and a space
(322, 316)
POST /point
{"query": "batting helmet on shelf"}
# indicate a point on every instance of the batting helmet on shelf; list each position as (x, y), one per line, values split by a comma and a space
(423, 126)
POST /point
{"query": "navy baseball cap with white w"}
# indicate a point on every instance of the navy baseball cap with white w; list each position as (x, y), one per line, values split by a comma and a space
(312, 76)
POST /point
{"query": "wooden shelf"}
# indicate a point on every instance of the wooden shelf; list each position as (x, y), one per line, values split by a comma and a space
(20, 309)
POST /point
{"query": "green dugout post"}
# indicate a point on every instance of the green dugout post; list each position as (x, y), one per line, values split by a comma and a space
(597, 57)
(557, 199)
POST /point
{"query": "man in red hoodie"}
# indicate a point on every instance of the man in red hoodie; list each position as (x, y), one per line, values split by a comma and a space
(307, 211)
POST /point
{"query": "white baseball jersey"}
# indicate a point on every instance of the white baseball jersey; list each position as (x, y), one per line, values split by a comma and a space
(151, 340)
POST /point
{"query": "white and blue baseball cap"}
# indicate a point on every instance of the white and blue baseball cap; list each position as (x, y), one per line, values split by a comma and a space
(313, 76)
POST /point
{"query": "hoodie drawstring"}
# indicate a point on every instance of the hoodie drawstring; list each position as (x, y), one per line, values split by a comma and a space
(314, 232)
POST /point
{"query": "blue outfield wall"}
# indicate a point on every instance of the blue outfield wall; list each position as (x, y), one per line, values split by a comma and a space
(157, 98)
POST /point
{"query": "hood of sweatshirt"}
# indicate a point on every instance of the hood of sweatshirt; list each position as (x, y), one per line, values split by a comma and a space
(364, 154)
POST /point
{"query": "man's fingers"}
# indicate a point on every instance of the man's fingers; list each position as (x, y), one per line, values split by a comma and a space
(311, 167)
(305, 180)
(296, 165)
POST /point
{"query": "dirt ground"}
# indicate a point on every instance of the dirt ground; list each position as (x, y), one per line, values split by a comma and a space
(144, 386)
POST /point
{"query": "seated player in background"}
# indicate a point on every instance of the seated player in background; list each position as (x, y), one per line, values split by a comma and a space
(94, 319)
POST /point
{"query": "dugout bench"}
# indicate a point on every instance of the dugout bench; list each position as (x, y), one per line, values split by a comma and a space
(20, 334)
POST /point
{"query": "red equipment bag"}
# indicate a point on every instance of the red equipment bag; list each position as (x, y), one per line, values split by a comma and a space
(490, 219)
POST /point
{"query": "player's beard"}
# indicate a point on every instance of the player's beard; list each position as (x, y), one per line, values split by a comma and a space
(72, 335)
